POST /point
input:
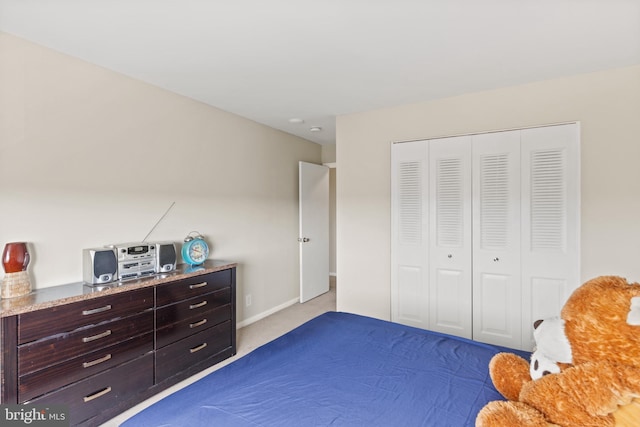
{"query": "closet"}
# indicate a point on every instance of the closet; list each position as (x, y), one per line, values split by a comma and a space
(485, 231)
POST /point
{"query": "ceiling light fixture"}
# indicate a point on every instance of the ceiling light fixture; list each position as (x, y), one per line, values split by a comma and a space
(296, 120)
(315, 129)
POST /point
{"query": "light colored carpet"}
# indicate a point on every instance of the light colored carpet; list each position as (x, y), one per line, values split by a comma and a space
(249, 338)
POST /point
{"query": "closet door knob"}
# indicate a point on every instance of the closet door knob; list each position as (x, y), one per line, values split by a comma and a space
(449, 256)
(496, 259)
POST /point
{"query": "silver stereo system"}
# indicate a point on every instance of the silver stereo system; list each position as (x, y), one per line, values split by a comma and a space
(136, 260)
(128, 261)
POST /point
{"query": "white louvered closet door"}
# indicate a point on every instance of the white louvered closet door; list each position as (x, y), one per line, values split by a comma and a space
(497, 298)
(450, 236)
(485, 232)
(410, 232)
(550, 221)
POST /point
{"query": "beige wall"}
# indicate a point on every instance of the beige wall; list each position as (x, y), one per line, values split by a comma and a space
(90, 157)
(329, 153)
(332, 220)
(606, 103)
(329, 157)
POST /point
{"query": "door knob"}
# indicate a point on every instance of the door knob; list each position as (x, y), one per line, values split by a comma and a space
(496, 259)
(303, 239)
(449, 256)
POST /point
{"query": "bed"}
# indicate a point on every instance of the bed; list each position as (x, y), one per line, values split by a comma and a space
(340, 369)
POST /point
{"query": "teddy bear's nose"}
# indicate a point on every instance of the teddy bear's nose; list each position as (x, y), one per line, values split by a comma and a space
(537, 323)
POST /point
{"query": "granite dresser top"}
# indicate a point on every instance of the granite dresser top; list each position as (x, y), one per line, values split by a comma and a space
(64, 294)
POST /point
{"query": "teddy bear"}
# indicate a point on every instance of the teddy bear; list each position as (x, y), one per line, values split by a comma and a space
(585, 369)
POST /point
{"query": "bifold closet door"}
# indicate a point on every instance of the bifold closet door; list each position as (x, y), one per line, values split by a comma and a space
(550, 220)
(526, 230)
(410, 234)
(450, 236)
(497, 296)
(485, 232)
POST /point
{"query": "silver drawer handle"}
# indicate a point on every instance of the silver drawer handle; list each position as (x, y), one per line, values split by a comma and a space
(200, 323)
(198, 305)
(97, 337)
(96, 395)
(96, 310)
(198, 348)
(96, 362)
(199, 285)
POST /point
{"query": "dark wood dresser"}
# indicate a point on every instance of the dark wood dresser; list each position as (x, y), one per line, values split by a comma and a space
(101, 350)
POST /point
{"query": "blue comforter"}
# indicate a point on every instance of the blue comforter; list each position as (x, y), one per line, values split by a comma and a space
(339, 369)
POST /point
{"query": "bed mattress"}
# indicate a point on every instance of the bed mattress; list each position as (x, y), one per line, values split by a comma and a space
(340, 369)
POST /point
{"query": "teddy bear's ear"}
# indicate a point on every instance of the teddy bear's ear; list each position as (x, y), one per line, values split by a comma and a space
(633, 318)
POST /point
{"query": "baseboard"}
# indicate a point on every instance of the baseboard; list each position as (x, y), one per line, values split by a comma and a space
(264, 314)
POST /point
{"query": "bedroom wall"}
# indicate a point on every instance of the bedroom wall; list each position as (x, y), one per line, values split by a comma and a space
(90, 157)
(606, 103)
(329, 153)
(332, 221)
(329, 158)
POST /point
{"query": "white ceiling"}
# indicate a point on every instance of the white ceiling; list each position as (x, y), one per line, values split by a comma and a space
(273, 60)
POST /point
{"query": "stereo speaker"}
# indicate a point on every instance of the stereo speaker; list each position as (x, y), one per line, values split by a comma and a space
(99, 265)
(166, 257)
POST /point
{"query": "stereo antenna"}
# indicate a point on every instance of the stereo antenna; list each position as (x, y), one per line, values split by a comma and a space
(158, 222)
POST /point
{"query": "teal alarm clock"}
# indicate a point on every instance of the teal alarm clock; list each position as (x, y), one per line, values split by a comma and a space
(195, 250)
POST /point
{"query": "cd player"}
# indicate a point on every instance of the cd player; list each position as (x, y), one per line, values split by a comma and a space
(135, 260)
(126, 261)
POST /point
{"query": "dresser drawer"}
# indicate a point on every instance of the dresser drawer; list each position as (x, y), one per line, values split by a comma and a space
(68, 317)
(89, 397)
(172, 359)
(178, 330)
(58, 348)
(169, 293)
(192, 307)
(69, 371)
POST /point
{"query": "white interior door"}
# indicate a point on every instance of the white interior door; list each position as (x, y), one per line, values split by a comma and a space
(450, 235)
(523, 201)
(410, 232)
(550, 221)
(313, 230)
(497, 298)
